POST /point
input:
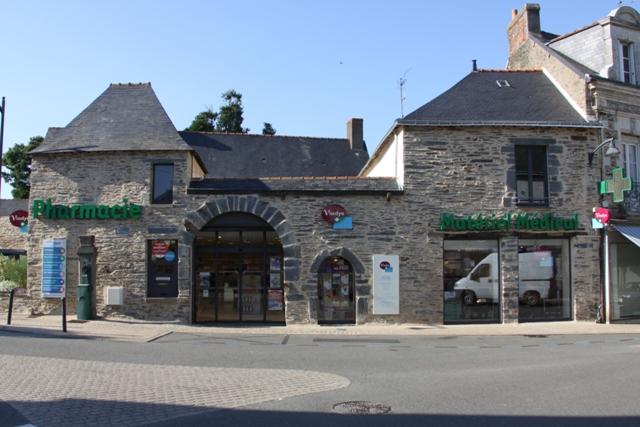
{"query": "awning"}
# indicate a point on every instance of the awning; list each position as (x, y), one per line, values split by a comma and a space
(631, 232)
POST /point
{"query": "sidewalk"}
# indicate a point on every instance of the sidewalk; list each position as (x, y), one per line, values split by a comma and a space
(141, 331)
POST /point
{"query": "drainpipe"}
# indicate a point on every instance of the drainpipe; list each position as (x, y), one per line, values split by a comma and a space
(603, 253)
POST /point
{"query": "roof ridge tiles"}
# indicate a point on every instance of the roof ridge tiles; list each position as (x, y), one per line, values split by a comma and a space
(130, 84)
(262, 136)
(305, 178)
(502, 70)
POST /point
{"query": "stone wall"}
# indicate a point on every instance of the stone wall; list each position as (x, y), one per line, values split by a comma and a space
(471, 170)
(108, 178)
(459, 170)
(10, 236)
(532, 54)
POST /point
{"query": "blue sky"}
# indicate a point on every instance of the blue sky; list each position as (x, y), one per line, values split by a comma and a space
(305, 66)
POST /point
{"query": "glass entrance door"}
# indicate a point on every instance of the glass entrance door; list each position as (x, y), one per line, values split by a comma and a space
(238, 276)
(335, 292)
(227, 294)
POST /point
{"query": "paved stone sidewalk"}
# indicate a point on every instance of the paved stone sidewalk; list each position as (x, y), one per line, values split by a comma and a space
(140, 331)
(61, 392)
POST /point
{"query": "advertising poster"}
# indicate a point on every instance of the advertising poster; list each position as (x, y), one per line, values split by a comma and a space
(386, 284)
(274, 280)
(275, 302)
(54, 268)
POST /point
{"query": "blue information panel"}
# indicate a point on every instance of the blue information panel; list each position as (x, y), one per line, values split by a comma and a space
(54, 268)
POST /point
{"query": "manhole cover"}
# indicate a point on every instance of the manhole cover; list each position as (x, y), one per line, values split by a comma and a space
(361, 408)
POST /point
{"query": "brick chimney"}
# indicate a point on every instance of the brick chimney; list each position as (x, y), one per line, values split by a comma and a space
(355, 134)
(523, 23)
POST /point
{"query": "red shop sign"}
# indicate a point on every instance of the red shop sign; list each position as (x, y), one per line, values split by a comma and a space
(19, 218)
(159, 248)
(333, 213)
(602, 214)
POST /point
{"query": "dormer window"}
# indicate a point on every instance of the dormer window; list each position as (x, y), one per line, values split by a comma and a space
(627, 63)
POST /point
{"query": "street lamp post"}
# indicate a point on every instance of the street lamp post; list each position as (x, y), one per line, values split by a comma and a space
(611, 151)
(2, 110)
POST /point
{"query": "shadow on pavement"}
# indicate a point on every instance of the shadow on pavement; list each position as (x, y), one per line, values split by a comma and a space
(30, 332)
(67, 412)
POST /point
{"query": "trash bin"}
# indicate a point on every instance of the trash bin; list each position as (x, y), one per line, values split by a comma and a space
(84, 302)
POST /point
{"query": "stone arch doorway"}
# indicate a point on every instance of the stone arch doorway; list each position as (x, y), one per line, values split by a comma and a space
(260, 227)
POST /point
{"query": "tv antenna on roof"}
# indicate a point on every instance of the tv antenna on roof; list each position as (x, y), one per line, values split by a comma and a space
(401, 83)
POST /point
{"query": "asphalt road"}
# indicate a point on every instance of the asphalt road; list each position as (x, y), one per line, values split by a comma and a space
(439, 381)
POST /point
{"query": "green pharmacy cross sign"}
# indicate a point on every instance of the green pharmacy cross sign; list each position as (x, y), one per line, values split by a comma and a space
(616, 186)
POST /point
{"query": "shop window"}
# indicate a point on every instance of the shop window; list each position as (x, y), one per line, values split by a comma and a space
(625, 281)
(531, 175)
(544, 283)
(336, 291)
(630, 159)
(471, 281)
(162, 184)
(162, 268)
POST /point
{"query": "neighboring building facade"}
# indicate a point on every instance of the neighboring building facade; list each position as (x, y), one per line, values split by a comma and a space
(204, 227)
(13, 239)
(497, 143)
(595, 67)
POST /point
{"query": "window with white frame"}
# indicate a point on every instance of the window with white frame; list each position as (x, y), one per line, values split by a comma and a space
(627, 63)
(630, 153)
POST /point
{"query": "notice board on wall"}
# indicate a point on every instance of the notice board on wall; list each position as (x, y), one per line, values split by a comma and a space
(54, 268)
(386, 284)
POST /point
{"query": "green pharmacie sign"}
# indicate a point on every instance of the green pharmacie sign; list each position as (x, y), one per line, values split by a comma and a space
(46, 209)
(526, 221)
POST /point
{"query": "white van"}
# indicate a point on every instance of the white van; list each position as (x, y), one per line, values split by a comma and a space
(535, 271)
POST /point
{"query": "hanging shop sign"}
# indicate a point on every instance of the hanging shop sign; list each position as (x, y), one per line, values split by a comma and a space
(602, 214)
(616, 186)
(521, 221)
(386, 284)
(54, 268)
(46, 209)
(19, 218)
(337, 217)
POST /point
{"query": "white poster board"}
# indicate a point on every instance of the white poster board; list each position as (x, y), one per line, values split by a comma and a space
(386, 284)
(54, 268)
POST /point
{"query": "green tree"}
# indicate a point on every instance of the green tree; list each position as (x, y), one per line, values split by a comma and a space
(18, 162)
(230, 116)
(204, 122)
(267, 129)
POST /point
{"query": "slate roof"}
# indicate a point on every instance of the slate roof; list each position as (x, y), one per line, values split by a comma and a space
(529, 99)
(324, 184)
(124, 117)
(256, 156)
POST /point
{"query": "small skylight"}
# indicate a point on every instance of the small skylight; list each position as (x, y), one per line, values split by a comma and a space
(503, 83)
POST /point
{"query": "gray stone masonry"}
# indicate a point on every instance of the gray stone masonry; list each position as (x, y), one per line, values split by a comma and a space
(458, 170)
(472, 170)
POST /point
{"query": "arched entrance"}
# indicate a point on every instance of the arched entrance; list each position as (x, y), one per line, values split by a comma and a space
(239, 268)
(336, 291)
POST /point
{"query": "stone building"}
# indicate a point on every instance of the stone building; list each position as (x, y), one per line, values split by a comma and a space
(595, 67)
(474, 208)
(496, 147)
(13, 237)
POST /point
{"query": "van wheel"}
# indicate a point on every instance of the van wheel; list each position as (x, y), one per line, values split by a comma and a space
(531, 298)
(468, 298)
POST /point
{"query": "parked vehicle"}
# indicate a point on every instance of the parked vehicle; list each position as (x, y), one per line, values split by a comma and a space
(536, 279)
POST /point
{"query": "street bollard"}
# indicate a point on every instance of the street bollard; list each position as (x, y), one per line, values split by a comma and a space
(10, 306)
(64, 314)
